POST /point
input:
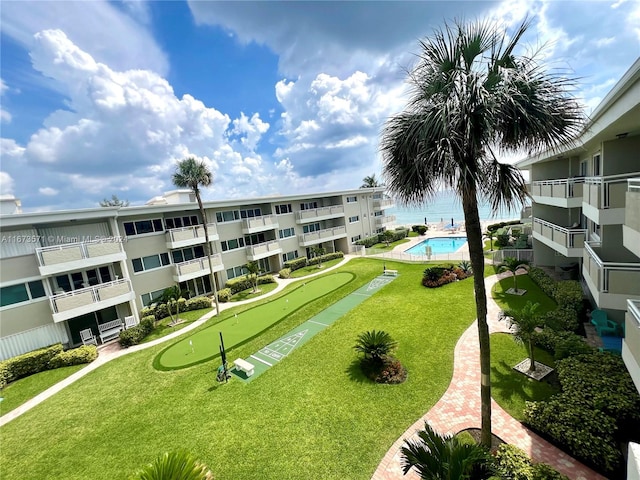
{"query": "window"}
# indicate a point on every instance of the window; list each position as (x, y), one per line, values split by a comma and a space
(186, 254)
(312, 227)
(151, 297)
(232, 244)
(143, 226)
(352, 199)
(250, 213)
(235, 272)
(379, 213)
(149, 263)
(287, 232)
(254, 239)
(377, 196)
(282, 209)
(596, 165)
(21, 292)
(354, 219)
(179, 222)
(287, 257)
(355, 239)
(308, 205)
(227, 216)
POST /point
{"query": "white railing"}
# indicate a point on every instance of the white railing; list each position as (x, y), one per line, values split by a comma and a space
(327, 233)
(197, 265)
(567, 237)
(262, 222)
(559, 188)
(385, 203)
(633, 184)
(385, 220)
(262, 248)
(71, 252)
(331, 211)
(607, 192)
(611, 277)
(63, 302)
(189, 233)
(633, 307)
(519, 254)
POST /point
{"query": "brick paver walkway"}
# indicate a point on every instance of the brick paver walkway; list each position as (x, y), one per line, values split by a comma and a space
(459, 409)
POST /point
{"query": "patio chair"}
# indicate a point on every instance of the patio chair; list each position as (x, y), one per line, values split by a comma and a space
(603, 325)
(130, 321)
(88, 337)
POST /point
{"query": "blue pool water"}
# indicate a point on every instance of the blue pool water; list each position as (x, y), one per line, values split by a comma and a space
(439, 245)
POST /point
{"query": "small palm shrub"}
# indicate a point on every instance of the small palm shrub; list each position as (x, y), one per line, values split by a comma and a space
(438, 276)
(180, 465)
(375, 345)
(377, 363)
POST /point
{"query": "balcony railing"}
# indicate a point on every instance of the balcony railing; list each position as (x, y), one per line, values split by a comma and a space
(322, 213)
(385, 220)
(631, 342)
(90, 299)
(259, 224)
(197, 267)
(71, 256)
(566, 237)
(611, 277)
(607, 192)
(193, 235)
(322, 235)
(263, 250)
(559, 188)
(632, 204)
(384, 203)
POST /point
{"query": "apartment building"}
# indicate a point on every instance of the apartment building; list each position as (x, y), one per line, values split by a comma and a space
(62, 272)
(586, 213)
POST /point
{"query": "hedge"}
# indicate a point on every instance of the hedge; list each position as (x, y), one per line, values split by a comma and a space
(243, 283)
(562, 344)
(75, 356)
(296, 264)
(512, 463)
(495, 226)
(135, 335)
(326, 257)
(161, 310)
(285, 273)
(224, 295)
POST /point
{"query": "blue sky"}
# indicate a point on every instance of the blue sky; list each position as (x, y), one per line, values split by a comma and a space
(101, 98)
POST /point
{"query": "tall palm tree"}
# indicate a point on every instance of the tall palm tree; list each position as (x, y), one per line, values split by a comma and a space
(525, 322)
(192, 173)
(370, 181)
(512, 264)
(253, 269)
(472, 96)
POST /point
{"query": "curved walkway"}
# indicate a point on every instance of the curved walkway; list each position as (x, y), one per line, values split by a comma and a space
(113, 350)
(459, 409)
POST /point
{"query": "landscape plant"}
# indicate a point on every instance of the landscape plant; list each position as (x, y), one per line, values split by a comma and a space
(525, 322)
(177, 465)
(471, 94)
(512, 265)
(252, 269)
(387, 237)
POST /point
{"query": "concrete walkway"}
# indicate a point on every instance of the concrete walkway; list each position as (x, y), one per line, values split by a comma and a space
(459, 409)
(113, 350)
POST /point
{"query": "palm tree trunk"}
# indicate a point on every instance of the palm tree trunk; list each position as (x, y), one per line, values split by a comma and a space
(532, 364)
(207, 250)
(474, 240)
(515, 280)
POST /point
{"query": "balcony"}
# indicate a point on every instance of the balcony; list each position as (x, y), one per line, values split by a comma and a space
(259, 224)
(610, 283)
(631, 342)
(604, 198)
(564, 192)
(317, 214)
(320, 236)
(386, 220)
(198, 267)
(631, 227)
(567, 241)
(382, 204)
(263, 250)
(187, 236)
(91, 299)
(79, 255)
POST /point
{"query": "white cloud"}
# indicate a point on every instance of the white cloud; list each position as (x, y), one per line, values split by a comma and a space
(6, 183)
(5, 116)
(48, 191)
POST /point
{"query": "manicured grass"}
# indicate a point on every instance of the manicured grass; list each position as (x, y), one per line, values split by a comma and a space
(516, 302)
(26, 388)
(313, 416)
(249, 294)
(163, 329)
(383, 246)
(511, 389)
(311, 269)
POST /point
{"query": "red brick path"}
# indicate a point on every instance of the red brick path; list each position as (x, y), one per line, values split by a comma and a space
(459, 409)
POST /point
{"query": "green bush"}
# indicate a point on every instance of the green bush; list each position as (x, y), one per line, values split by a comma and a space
(502, 240)
(136, 334)
(224, 295)
(296, 264)
(5, 374)
(544, 281)
(419, 229)
(28, 363)
(434, 277)
(326, 257)
(562, 344)
(369, 241)
(75, 356)
(285, 273)
(197, 303)
(569, 293)
(511, 463)
(542, 471)
(564, 317)
(495, 226)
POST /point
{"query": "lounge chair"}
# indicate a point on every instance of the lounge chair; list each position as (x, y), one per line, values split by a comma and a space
(603, 325)
(88, 337)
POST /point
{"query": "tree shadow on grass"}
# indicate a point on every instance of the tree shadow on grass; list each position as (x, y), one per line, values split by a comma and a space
(355, 372)
(515, 385)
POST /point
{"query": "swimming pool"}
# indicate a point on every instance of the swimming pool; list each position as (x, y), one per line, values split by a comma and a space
(439, 245)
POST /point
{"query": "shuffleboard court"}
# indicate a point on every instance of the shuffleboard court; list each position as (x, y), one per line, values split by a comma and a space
(277, 351)
(203, 345)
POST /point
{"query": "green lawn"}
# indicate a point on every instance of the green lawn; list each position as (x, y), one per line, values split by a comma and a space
(516, 302)
(249, 294)
(163, 329)
(312, 416)
(510, 389)
(383, 246)
(18, 392)
(311, 269)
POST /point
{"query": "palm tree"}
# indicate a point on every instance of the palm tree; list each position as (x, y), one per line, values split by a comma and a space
(441, 457)
(375, 345)
(525, 322)
(253, 269)
(192, 173)
(178, 465)
(490, 234)
(471, 95)
(318, 251)
(370, 181)
(511, 264)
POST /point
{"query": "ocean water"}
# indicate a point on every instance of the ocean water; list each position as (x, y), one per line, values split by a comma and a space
(443, 208)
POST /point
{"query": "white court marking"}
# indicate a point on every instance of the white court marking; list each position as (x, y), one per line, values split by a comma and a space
(281, 348)
(260, 360)
(378, 283)
(318, 323)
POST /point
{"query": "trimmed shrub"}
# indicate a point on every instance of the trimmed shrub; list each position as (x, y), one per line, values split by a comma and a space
(28, 363)
(285, 273)
(136, 334)
(224, 295)
(569, 293)
(197, 303)
(368, 242)
(438, 276)
(296, 264)
(495, 226)
(75, 356)
(562, 344)
(544, 281)
(511, 463)
(5, 375)
(325, 258)
(243, 283)
(562, 318)
(502, 240)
